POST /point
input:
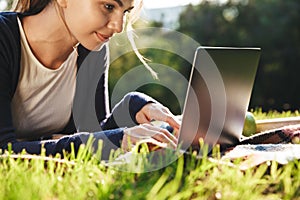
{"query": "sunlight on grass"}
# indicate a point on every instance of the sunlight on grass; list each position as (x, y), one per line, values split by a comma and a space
(85, 177)
(259, 114)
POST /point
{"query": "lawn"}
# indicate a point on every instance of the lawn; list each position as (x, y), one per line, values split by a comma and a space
(85, 177)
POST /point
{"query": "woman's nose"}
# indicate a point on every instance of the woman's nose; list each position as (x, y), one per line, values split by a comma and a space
(116, 23)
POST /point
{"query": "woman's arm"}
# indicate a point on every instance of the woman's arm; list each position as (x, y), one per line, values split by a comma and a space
(111, 139)
(124, 113)
(9, 71)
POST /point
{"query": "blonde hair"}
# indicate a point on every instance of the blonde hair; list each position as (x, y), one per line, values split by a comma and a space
(31, 7)
(130, 34)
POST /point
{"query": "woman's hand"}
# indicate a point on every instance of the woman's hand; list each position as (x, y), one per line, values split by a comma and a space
(153, 137)
(156, 111)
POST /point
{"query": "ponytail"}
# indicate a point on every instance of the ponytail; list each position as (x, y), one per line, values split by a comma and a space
(29, 7)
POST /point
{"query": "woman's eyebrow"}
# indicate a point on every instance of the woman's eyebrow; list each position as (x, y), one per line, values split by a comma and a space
(119, 2)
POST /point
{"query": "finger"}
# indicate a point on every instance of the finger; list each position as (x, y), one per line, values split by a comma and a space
(164, 139)
(141, 118)
(144, 115)
(128, 142)
(169, 135)
(165, 115)
(163, 131)
(173, 121)
(161, 137)
(145, 131)
(176, 134)
(156, 112)
(153, 144)
(154, 147)
(161, 134)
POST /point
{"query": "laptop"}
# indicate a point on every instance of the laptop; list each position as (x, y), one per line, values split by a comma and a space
(218, 96)
(216, 103)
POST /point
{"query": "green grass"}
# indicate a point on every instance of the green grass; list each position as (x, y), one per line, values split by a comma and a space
(259, 114)
(85, 177)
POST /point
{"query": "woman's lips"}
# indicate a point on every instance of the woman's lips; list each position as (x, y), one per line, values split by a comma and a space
(102, 38)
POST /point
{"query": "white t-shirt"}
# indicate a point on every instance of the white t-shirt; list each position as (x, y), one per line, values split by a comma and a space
(42, 103)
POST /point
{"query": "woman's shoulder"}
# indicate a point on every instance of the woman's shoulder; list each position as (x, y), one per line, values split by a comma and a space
(9, 25)
(8, 17)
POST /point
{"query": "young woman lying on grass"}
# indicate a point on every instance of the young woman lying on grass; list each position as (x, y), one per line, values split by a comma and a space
(42, 46)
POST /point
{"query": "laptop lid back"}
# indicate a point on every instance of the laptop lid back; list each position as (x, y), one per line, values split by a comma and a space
(218, 96)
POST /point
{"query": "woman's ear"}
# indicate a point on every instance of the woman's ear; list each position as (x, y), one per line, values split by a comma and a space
(62, 3)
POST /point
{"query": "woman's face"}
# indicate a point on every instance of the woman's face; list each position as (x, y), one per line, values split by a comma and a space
(93, 22)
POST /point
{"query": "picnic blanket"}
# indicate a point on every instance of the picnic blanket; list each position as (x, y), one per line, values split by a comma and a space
(272, 145)
(253, 155)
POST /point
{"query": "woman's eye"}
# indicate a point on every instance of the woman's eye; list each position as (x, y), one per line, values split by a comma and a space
(109, 7)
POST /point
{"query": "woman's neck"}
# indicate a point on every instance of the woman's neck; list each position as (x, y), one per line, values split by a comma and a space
(48, 37)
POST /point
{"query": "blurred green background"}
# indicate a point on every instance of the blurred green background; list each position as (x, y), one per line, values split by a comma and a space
(272, 25)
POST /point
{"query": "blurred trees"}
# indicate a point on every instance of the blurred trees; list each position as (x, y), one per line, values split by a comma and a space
(272, 25)
(7, 3)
